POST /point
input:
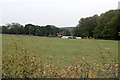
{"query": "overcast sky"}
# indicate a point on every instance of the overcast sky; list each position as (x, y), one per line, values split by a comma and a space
(61, 13)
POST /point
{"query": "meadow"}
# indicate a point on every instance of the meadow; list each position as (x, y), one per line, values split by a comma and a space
(68, 50)
(62, 52)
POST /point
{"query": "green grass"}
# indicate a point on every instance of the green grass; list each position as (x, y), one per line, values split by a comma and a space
(65, 50)
(0, 54)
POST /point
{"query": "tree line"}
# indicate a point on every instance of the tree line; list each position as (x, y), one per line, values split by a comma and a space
(105, 26)
(30, 29)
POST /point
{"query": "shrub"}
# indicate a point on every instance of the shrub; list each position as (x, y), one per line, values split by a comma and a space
(24, 65)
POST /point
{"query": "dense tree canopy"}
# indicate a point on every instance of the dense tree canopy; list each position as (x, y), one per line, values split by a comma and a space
(30, 29)
(14, 28)
(105, 26)
(86, 26)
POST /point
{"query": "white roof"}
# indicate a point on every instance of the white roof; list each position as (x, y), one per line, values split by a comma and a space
(65, 36)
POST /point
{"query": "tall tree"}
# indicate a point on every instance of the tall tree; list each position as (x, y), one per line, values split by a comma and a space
(107, 25)
(86, 26)
(29, 29)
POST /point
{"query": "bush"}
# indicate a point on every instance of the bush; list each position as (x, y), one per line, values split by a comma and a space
(24, 65)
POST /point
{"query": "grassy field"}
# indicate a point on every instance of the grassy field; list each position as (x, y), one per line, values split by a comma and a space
(0, 55)
(63, 50)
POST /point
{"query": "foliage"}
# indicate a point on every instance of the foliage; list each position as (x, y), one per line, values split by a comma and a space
(86, 26)
(66, 32)
(23, 65)
(14, 28)
(30, 29)
(105, 26)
